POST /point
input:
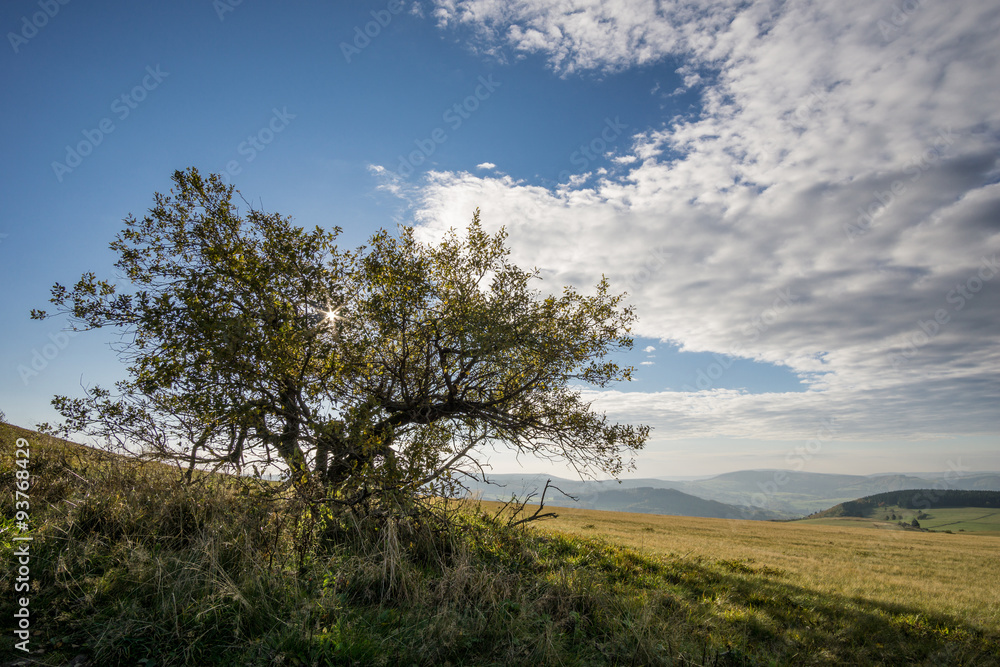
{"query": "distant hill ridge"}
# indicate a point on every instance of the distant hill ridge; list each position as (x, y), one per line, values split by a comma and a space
(771, 493)
(921, 499)
(647, 500)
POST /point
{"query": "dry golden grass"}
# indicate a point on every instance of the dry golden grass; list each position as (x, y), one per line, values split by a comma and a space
(956, 575)
(130, 564)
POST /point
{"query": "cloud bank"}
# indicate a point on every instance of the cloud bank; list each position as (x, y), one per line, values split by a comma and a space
(834, 208)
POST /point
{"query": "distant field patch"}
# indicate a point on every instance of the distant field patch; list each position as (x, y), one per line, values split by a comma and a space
(978, 520)
(968, 519)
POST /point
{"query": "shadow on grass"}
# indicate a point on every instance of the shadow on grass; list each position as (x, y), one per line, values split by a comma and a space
(131, 568)
(761, 619)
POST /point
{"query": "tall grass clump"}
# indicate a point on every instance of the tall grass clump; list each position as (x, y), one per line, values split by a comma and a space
(130, 565)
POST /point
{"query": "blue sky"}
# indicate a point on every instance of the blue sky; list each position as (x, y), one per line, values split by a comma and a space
(801, 200)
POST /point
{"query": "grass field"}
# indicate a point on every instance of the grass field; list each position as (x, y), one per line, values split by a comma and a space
(131, 567)
(951, 574)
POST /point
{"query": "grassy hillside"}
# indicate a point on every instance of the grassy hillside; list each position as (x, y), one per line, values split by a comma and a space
(130, 568)
(974, 520)
(912, 500)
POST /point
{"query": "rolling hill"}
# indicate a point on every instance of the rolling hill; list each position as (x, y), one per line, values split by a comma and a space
(920, 499)
(780, 493)
(646, 500)
(624, 497)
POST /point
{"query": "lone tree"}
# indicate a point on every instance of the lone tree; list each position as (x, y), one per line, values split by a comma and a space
(375, 376)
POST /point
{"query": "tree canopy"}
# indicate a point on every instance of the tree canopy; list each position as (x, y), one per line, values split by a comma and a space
(383, 372)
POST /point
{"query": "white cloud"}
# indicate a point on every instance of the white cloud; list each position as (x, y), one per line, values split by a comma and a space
(692, 79)
(647, 363)
(648, 349)
(747, 230)
(587, 34)
(486, 165)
